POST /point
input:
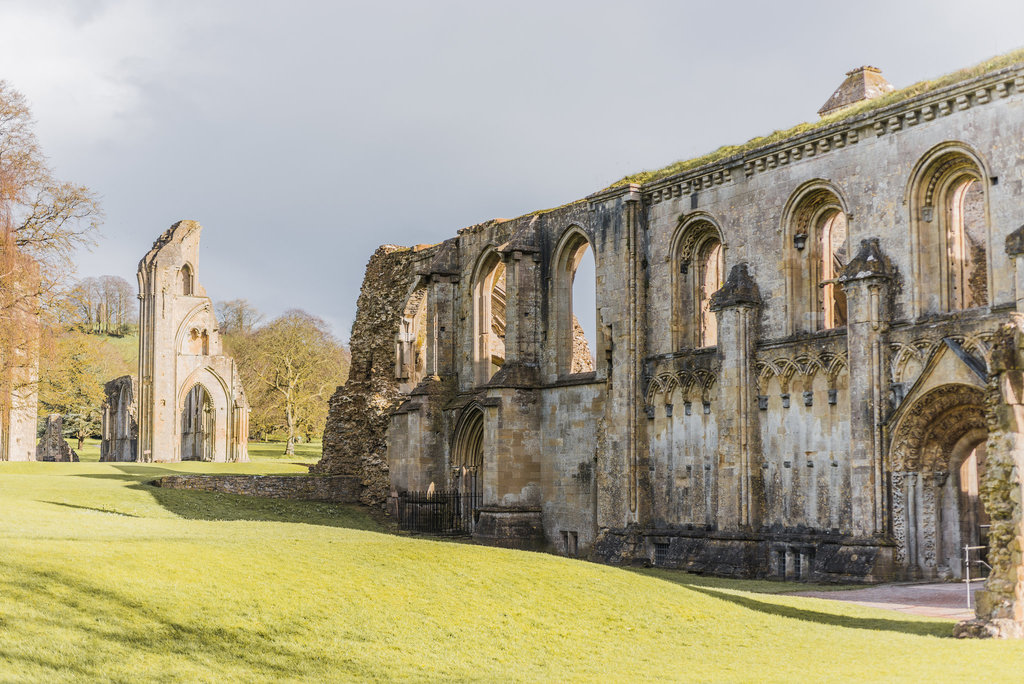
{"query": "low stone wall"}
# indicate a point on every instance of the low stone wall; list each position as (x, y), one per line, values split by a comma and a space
(336, 488)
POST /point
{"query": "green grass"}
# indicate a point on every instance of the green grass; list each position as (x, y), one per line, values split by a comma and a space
(103, 577)
(274, 451)
(258, 451)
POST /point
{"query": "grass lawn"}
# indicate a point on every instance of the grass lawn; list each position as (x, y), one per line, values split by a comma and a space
(258, 451)
(103, 577)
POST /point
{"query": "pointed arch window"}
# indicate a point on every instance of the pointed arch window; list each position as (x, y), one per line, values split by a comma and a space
(574, 351)
(951, 232)
(488, 317)
(817, 248)
(185, 280)
(699, 258)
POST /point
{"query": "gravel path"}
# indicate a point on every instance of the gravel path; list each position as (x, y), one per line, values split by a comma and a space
(945, 600)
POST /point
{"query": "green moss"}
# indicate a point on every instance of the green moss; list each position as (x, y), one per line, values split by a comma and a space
(920, 88)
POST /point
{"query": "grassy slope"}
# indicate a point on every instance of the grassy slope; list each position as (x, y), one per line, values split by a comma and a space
(104, 577)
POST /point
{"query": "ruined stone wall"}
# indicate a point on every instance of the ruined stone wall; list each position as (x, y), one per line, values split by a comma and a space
(180, 350)
(120, 425)
(336, 489)
(804, 441)
(354, 443)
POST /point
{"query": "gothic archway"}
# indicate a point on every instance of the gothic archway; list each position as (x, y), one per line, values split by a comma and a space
(936, 459)
(198, 425)
(468, 464)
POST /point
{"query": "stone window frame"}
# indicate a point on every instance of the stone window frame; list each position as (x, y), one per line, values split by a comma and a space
(411, 345)
(569, 252)
(693, 240)
(809, 279)
(935, 178)
(187, 280)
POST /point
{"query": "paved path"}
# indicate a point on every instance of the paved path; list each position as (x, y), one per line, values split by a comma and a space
(945, 600)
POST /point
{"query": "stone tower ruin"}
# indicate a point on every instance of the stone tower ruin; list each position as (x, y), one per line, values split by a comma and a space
(191, 405)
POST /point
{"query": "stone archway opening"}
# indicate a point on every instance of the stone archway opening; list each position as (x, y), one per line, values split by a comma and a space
(937, 461)
(467, 466)
(198, 425)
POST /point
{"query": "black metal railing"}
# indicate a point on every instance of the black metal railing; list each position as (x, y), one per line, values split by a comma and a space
(440, 512)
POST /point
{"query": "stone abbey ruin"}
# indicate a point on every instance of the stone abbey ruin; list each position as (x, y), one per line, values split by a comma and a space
(809, 356)
(188, 404)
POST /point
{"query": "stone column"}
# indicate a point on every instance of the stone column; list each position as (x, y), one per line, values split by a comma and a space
(739, 479)
(866, 282)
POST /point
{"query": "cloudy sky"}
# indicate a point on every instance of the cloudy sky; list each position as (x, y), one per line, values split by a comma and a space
(303, 134)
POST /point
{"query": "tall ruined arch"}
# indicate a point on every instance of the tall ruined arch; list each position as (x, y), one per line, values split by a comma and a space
(488, 316)
(816, 247)
(936, 461)
(950, 234)
(698, 271)
(573, 352)
(198, 425)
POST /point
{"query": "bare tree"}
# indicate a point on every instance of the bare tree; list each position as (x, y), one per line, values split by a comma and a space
(237, 317)
(42, 222)
(290, 367)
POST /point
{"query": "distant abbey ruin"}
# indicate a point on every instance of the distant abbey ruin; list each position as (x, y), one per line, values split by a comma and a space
(810, 354)
(188, 402)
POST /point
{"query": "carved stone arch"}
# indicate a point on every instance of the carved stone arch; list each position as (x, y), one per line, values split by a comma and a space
(787, 369)
(691, 230)
(815, 245)
(686, 383)
(951, 247)
(210, 439)
(654, 388)
(670, 384)
(708, 387)
(697, 268)
(915, 424)
(835, 365)
(935, 440)
(765, 372)
(188, 322)
(980, 345)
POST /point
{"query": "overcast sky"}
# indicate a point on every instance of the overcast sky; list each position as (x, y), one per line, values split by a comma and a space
(303, 134)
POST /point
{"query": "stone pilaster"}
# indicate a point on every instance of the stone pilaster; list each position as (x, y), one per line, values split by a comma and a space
(739, 480)
(866, 282)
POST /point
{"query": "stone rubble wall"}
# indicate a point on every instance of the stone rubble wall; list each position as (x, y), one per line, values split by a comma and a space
(53, 446)
(336, 489)
(359, 413)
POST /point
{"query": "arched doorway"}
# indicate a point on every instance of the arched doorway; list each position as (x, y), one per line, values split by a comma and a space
(197, 425)
(937, 461)
(467, 465)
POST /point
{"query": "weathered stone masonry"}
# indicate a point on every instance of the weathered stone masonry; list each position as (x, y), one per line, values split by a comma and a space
(794, 372)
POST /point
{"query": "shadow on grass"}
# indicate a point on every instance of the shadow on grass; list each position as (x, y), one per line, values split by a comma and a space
(104, 622)
(89, 508)
(217, 506)
(915, 627)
